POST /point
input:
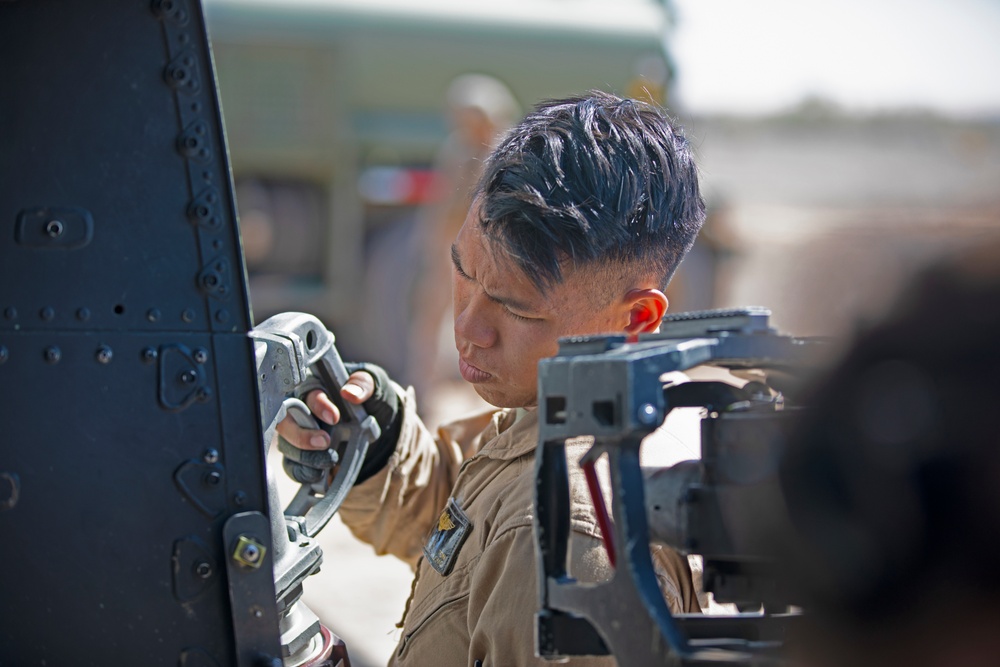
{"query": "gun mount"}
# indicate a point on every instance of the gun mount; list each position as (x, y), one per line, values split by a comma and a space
(611, 389)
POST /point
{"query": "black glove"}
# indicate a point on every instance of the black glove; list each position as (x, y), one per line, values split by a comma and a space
(386, 407)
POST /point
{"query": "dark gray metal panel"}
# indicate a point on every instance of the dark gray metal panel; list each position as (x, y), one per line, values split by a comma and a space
(129, 398)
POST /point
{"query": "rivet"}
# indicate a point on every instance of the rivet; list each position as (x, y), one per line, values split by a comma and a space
(104, 354)
(189, 377)
(149, 355)
(239, 498)
(222, 315)
(211, 456)
(83, 314)
(204, 394)
(153, 315)
(10, 313)
(200, 355)
(4, 354)
(203, 569)
(213, 478)
(188, 315)
(53, 354)
(47, 313)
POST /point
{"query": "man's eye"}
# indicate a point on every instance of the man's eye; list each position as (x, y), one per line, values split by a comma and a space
(516, 316)
(461, 273)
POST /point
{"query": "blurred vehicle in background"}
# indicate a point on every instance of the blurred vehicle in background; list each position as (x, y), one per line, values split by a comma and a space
(334, 110)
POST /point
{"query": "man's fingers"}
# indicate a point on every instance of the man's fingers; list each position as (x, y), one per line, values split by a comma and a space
(322, 407)
(358, 388)
(303, 438)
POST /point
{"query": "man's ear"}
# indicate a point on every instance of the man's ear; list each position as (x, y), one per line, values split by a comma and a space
(646, 309)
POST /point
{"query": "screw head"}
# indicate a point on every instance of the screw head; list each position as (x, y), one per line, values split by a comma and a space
(54, 228)
(200, 355)
(189, 377)
(203, 569)
(211, 456)
(647, 414)
(149, 355)
(52, 354)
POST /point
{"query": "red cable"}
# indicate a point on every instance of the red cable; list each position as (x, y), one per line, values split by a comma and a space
(603, 520)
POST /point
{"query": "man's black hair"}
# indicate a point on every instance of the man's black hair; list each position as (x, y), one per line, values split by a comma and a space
(592, 180)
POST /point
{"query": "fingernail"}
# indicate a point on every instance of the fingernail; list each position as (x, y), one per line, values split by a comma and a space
(353, 390)
(318, 441)
(328, 416)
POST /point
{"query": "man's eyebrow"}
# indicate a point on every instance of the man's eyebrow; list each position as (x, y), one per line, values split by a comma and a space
(502, 300)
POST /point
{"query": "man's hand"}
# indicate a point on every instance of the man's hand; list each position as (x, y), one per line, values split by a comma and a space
(360, 387)
(368, 386)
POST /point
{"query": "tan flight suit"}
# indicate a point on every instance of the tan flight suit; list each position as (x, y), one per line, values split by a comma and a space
(482, 609)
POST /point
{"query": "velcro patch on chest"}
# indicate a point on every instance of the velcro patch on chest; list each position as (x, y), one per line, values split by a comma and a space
(444, 543)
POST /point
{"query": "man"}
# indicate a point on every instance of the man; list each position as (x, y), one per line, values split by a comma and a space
(582, 214)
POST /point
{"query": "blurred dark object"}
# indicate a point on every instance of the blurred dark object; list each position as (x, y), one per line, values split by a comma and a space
(892, 483)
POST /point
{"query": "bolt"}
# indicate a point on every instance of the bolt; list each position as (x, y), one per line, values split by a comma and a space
(211, 456)
(203, 569)
(213, 478)
(153, 315)
(189, 377)
(149, 355)
(250, 553)
(104, 354)
(47, 313)
(257, 612)
(200, 355)
(647, 414)
(54, 228)
(53, 354)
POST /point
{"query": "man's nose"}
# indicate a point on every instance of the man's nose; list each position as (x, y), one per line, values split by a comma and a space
(472, 322)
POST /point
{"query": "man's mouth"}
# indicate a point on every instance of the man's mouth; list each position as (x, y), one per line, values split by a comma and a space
(472, 374)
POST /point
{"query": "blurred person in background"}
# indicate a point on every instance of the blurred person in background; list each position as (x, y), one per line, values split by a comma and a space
(892, 484)
(480, 109)
(581, 217)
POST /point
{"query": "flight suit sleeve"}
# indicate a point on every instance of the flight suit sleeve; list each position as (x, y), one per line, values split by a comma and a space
(395, 509)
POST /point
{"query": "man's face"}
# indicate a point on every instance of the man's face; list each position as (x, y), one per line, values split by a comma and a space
(504, 324)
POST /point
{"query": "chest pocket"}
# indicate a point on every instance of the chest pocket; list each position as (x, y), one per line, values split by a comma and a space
(442, 547)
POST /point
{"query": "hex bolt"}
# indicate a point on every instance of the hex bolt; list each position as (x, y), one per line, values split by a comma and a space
(104, 354)
(200, 355)
(54, 228)
(203, 569)
(53, 354)
(149, 355)
(249, 552)
(211, 456)
(647, 414)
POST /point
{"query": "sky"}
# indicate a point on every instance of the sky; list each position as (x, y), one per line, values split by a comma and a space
(760, 56)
